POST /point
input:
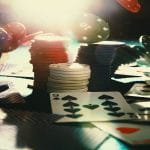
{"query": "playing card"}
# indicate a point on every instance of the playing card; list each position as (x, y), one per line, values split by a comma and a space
(130, 79)
(139, 90)
(132, 71)
(135, 134)
(91, 106)
(19, 85)
(143, 110)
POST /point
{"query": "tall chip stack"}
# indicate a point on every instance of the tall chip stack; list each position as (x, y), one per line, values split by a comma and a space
(99, 56)
(46, 50)
(66, 77)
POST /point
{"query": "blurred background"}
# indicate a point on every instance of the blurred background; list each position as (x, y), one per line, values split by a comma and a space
(124, 25)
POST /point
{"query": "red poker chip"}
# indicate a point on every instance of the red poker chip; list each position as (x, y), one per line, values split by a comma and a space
(49, 57)
(16, 30)
(131, 5)
(49, 62)
(45, 50)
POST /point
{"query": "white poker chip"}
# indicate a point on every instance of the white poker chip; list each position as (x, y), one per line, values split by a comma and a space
(61, 91)
(50, 41)
(70, 67)
(53, 84)
(69, 77)
(73, 87)
(61, 81)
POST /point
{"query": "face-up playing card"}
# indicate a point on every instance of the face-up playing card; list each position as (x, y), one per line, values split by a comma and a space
(131, 133)
(91, 106)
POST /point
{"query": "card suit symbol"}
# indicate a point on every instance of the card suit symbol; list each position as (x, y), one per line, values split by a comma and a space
(127, 130)
(68, 97)
(112, 108)
(74, 110)
(132, 115)
(109, 103)
(56, 97)
(119, 114)
(105, 97)
(74, 116)
(90, 106)
(4, 87)
(68, 104)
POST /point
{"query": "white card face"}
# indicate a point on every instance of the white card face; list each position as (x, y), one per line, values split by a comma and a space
(91, 106)
(135, 134)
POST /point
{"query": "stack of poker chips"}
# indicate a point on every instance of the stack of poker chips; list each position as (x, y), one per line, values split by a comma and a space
(66, 77)
(99, 56)
(46, 50)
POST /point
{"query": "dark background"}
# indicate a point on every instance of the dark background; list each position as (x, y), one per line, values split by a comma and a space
(124, 25)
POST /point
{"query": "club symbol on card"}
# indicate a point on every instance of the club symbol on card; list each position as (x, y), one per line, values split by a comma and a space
(74, 110)
(91, 106)
(74, 116)
(109, 103)
(105, 97)
(127, 130)
(69, 98)
(116, 114)
(56, 97)
(71, 107)
(70, 104)
(112, 108)
(132, 115)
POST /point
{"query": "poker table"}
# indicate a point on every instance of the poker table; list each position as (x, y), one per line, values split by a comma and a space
(28, 124)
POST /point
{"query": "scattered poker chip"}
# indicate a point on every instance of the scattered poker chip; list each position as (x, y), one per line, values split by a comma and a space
(90, 28)
(131, 5)
(16, 30)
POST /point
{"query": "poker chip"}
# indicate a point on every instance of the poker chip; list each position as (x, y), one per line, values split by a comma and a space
(4, 39)
(89, 28)
(68, 77)
(131, 5)
(99, 56)
(70, 67)
(16, 30)
(46, 50)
